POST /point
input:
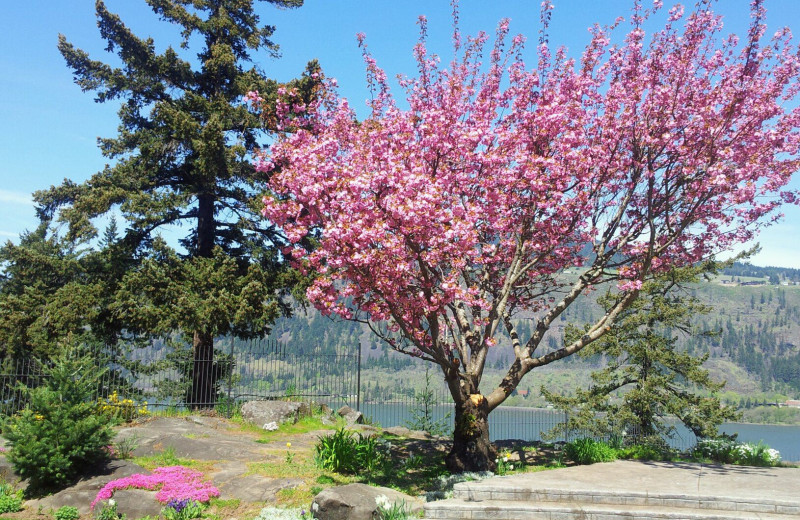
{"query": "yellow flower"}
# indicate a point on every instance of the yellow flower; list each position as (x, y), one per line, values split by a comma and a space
(288, 444)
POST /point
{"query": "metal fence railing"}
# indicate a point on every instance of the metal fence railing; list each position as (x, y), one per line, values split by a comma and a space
(166, 376)
(162, 374)
(505, 422)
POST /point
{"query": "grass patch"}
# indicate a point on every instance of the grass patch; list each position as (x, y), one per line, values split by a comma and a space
(302, 466)
(299, 496)
(304, 425)
(167, 457)
(224, 502)
(232, 508)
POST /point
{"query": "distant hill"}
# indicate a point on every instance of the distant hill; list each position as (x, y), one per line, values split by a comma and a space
(756, 311)
(774, 275)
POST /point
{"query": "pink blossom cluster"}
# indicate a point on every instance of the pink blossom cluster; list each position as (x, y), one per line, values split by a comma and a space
(441, 218)
(172, 482)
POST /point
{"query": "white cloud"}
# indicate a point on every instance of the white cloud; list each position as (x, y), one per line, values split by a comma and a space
(8, 234)
(16, 197)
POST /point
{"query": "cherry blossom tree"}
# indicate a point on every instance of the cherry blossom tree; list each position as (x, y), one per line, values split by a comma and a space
(446, 223)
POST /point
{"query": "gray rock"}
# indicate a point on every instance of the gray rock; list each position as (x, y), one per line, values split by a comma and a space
(365, 429)
(351, 416)
(7, 472)
(357, 502)
(402, 431)
(326, 414)
(135, 503)
(264, 412)
(270, 426)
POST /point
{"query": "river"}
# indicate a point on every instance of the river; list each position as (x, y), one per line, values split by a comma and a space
(528, 424)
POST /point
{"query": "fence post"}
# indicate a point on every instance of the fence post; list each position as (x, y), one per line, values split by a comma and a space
(230, 380)
(358, 380)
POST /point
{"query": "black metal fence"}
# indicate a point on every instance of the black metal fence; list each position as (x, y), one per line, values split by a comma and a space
(505, 422)
(159, 377)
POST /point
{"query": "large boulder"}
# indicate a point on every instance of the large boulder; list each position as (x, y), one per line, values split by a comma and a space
(351, 416)
(359, 502)
(267, 413)
(135, 503)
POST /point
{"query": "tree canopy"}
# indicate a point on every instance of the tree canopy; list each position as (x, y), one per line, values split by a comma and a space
(439, 222)
(181, 162)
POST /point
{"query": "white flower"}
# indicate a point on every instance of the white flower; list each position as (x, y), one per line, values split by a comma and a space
(112, 502)
(511, 467)
(383, 502)
(277, 513)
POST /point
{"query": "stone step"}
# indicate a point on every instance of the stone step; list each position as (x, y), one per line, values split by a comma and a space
(456, 509)
(496, 490)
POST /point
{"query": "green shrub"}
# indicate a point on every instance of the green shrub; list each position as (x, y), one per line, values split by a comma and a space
(640, 452)
(648, 448)
(60, 434)
(589, 451)
(348, 453)
(67, 513)
(109, 512)
(726, 450)
(122, 409)
(388, 510)
(10, 500)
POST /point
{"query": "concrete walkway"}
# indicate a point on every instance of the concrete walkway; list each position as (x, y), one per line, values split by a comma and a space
(630, 490)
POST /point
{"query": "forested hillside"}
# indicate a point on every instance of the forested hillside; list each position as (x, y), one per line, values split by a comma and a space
(755, 312)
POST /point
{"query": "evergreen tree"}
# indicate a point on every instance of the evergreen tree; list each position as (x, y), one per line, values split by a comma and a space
(647, 379)
(182, 160)
(51, 290)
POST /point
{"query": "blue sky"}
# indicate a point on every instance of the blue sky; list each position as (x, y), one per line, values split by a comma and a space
(48, 127)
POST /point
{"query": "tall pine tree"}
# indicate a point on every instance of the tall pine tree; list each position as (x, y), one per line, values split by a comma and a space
(182, 160)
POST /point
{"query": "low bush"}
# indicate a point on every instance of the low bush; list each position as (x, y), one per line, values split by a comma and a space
(589, 451)
(67, 513)
(504, 463)
(389, 510)
(109, 512)
(648, 448)
(729, 451)
(10, 499)
(641, 452)
(122, 409)
(349, 453)
(60, 435)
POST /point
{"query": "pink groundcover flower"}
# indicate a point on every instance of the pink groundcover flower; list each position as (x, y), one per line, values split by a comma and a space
(172, 483)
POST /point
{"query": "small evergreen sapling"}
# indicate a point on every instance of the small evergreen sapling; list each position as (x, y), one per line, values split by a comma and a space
(60, 434)
(422, 412)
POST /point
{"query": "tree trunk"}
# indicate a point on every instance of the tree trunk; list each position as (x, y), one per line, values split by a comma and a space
(472, 450)
(203, 393)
